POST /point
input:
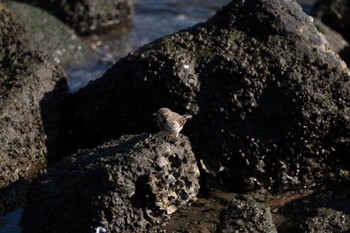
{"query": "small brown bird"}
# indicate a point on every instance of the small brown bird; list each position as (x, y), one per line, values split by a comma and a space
(171, 122)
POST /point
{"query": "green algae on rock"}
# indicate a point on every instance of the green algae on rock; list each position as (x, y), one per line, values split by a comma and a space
(46, 33)
(87, 16)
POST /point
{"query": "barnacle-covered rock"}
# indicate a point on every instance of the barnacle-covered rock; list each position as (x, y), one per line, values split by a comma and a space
(246, 216)
(128, 185)
(327, 220)
(269, 98)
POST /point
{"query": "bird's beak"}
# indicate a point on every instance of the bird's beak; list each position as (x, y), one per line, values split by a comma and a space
(154, 114)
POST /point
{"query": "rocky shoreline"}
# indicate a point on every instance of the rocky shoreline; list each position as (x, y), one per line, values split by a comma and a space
(265, 151)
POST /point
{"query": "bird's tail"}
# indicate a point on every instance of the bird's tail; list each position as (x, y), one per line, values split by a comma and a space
(187, 116)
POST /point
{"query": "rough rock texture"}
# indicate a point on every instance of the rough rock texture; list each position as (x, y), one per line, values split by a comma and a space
(32, 88)
(326, 209)
(46, 33)
(86, 16)
(270, 100)
(242, 216)
(13, 37)
(336, 41)
(327, 221)
(128, 185)
(334, 13)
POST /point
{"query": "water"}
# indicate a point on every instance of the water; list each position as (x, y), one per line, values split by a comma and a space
(153, 19)
(10, 222)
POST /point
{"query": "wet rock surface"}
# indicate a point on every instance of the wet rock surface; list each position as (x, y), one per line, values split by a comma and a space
(325, 210)
(201, 217)
(245, 216)
(334, 13)
(86, 16)
(32, 88)
(320, 209)
(268, 96)
(131, 184)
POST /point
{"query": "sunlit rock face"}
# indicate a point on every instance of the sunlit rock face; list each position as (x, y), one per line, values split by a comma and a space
(336, 41)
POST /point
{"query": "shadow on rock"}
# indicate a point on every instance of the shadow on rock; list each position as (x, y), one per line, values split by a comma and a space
(26, 76)
(53, 113)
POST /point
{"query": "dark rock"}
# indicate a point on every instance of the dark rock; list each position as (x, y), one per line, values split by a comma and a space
(12, 197)
(334, 13)
(48, 34)
(87, 16)
(327, 221)
(32, 89)
(345, 55)
(336, 41)
(270, 100)
(246, 216)
(13, 37)
(323, 210)
(128, 185)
